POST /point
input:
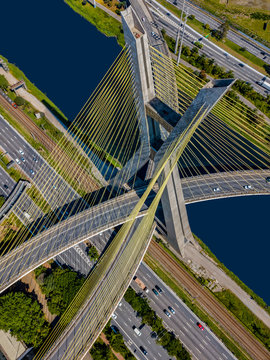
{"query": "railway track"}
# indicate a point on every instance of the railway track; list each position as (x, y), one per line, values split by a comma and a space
(67, 164)
(237, 331)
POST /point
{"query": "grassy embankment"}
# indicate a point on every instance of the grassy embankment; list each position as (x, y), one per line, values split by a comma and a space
(15, 71)
(227, 45)
(239, 15)
(102, 21)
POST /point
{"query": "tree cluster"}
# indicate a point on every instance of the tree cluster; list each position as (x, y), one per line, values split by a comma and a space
(150, 318)
(3, 82)
(22, 316)
(60, 286)
(93, 253)
(260, 16)
(100, 351)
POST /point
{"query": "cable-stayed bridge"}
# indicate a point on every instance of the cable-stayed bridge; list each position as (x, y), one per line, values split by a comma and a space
(195, 131)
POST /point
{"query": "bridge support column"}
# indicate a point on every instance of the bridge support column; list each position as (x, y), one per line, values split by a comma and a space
(175, 213)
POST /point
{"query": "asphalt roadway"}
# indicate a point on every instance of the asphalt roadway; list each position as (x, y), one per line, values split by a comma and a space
(53, 187)
(171, 24)
(255, 48)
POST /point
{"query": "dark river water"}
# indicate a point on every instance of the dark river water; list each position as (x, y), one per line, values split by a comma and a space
(66, 57)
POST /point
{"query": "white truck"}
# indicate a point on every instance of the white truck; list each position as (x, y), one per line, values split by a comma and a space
(265, 83)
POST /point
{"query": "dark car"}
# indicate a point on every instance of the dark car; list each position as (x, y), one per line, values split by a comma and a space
(159, 289)
(267, 179)
(5, 186)
(143, 350)
(115, 329)
(153, 335)
(155, 292)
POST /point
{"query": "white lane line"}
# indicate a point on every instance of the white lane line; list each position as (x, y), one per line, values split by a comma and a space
(125, 323)
(182, 332)
(144, 278)
(129, 319)
(148, 342)
(204, 341)
(176, 304)
(185, 328)
(224, 356)
(207, 338)
(148, 275)
(191, 320)
(197, 349)
(159, 354)
(202, 346)
(188, 324)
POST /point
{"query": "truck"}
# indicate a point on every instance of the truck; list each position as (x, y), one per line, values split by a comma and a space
(141, 284)
(265, 84)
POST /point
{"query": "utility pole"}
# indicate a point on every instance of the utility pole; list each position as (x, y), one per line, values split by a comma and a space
(183, 32)
(95, 5)
(181, 24)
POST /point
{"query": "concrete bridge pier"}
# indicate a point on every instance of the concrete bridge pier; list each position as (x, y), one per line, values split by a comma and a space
(175, 213)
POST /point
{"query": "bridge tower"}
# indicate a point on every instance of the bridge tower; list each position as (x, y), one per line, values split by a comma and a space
(173, 204)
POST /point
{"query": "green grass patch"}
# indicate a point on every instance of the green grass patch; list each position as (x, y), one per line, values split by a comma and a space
(255, 325)
(257, 298)
(100, 19)
(36, 92)
(2, 200)
(194, 306)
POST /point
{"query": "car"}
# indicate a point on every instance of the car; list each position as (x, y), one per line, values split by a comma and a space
(143, 350)
(32, 172)
(114, 316)
(136, 330)
(167, 312)
(21, 151)
(5, 186)
(171, 309)
(35, 159)
(216, 189)
(247, 187)
(200, 326)
(155, 292)
(23, 159)
(17, 161)
(153, 335)
(143, 19)
(267, 179)
(241, 65)
(115, 329)
(14, 105)
(152, 33)
(158, 289)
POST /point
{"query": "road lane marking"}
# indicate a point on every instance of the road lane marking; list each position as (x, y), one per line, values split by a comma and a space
(129, 319)
(185, 328)
(181, 332)
(197, 349)
(202, 346)
(159, 354)
(204, 341)
(224, 356)
(148, 275)
(191, 320)
(176, 305)
(188, 325)
(207, 338)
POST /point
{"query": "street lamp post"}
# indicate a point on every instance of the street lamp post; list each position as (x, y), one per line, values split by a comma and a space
(183, 32)
(181, 24)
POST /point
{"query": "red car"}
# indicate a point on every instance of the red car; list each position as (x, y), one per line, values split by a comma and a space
(14, 105)
(200, 326)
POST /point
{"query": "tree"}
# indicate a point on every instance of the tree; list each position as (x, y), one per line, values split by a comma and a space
(202, 75)
(93, 253)
(191, 17)
(224, 28)
(60, 287)
(206, 26)
(100, 351)
(19, 100)
(3, 82)
(23, 317)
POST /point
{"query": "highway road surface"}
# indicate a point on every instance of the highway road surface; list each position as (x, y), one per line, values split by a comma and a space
(53, 187)
(171, 24)
(255, 48)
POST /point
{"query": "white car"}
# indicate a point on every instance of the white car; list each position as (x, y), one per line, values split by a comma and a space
(216, 189)
(247, 187)
(17, 161)
(21, 152)
(137, 331)
(32, 171)
(114, 316)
